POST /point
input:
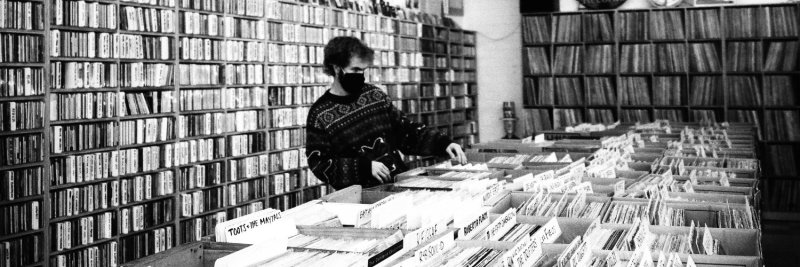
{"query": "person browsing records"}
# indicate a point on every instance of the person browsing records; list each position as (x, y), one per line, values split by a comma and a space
(354, 134)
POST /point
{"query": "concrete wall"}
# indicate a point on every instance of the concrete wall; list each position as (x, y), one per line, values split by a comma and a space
(499, 66)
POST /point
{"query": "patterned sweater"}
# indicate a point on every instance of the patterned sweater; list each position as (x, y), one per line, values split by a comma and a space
(346, 133)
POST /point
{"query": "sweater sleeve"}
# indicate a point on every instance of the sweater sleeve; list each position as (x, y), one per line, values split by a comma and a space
(416, 139)
(339, 172)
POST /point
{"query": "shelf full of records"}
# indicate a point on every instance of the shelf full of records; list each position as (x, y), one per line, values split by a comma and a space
(160, 105)
(674, 67)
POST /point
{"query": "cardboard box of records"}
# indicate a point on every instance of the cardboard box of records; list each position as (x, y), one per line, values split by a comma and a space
(691, 240)
(682, 213)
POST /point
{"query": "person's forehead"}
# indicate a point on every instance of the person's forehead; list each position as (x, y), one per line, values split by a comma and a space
(356, 61)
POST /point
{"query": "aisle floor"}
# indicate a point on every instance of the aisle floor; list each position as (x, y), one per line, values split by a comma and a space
(781, 243)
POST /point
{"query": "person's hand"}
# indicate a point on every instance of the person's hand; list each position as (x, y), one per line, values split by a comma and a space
(455, 152)
(380, 172)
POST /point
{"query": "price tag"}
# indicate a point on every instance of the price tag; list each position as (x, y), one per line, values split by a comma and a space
(433, 249)
(619, 189)
(470, 229)
(499, 227)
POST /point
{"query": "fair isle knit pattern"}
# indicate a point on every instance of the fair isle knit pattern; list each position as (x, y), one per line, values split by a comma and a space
(346, 133)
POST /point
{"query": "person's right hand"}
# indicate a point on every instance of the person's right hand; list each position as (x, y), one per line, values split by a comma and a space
(380, 172)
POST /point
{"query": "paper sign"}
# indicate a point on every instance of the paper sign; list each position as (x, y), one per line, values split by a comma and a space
(585, 187)
(470, 229)
(662, 260)
(254, 227)
(687, 187)
(365, 215)
(550, 231)
(499, 227)
(539, 138)
(421, 235)
(609, 172)
(612, 259)
(708, 242)
(619, 189)
(515, 252)
(724, 181)
(545, 175)
(523, 179)
(689, 261)
(433, 249)
(491, 192)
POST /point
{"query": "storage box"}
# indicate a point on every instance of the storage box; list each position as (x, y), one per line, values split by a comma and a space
(701, 213)
(734, 242)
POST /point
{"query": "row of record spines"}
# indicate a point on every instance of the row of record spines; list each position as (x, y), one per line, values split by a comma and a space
(742, 90)
(666, 57)
(766, 21)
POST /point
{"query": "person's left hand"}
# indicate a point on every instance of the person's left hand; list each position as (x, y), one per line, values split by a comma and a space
(455, 152)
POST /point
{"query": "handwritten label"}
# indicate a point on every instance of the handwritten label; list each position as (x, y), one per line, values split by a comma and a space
(421, 235)
(662, 260)
(608, 172)
(545, 175)
(365, 215)
(539, 138)
(470, 230)
(252, 228)
(491, 192)
(577, 171)
(708, 242)
(689, 261)
(612, 259)
(687, 187)
(515, 252)
(619, 189)
(434, 249)
(499, 227)
(550, 231)
(585, 187)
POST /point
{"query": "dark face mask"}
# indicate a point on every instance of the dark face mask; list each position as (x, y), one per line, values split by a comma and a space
(352, 83)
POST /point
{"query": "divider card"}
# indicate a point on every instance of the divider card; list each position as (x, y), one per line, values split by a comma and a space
(365, 215)
(549, 232)
(499, 227)
(432, 250)
(255, 227)
(521, 253)
(470, 226)
(419, 236)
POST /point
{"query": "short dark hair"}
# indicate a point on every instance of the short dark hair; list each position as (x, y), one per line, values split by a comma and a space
(340, 49)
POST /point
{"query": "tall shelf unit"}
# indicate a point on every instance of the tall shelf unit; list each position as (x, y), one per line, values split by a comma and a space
(129, 126)
(723, 63)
